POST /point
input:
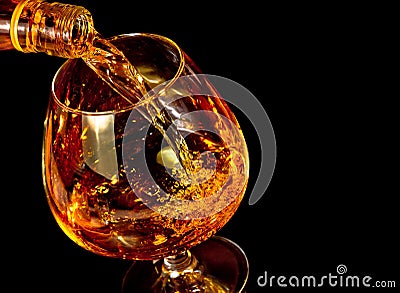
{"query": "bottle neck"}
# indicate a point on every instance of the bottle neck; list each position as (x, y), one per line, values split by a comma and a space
(56, 29)
(5, 40)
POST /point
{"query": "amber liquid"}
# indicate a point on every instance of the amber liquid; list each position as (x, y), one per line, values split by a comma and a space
(101, 211)
(115, 69)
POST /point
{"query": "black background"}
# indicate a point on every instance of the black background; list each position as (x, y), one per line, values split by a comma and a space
(324, 76)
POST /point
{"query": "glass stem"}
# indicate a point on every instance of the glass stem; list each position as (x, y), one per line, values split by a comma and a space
(183, 273)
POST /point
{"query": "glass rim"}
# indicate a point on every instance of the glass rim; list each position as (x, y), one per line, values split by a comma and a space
(167, 83)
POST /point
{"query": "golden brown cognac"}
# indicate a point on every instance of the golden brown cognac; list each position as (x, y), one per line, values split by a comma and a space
(57, 29)
(106, 216)
(114, 188)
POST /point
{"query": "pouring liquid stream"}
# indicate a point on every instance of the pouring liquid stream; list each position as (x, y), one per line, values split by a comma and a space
(110, 64)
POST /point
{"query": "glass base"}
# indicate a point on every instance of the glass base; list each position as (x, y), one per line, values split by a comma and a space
(222, 264)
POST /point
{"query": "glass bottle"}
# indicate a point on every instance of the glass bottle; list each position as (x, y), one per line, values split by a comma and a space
(57, 29)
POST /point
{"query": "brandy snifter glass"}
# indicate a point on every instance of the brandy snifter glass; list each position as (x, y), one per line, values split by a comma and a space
(150, 181)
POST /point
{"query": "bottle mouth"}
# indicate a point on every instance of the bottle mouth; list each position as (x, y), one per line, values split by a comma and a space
(58, 29)
(75, 32)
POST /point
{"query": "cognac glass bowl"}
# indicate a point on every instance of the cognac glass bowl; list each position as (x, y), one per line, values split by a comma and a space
(150, 181)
